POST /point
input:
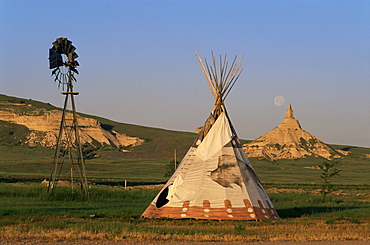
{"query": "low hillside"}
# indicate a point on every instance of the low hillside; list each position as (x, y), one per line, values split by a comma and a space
(21, 116)
(155, 151)
(148, 162)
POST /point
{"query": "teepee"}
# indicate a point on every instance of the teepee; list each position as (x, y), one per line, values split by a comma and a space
(215, 180)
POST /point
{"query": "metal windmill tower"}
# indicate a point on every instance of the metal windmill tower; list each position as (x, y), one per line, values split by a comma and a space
(68, 146)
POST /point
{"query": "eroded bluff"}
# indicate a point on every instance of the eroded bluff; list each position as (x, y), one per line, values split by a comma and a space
(44, 125)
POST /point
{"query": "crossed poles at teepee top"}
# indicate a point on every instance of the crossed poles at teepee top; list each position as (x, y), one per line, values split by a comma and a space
(220, 81)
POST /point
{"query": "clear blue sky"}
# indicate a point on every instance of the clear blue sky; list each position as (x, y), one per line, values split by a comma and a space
(137, 61)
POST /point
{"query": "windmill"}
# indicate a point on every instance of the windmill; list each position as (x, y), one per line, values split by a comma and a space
(215, 179)
(68, 147)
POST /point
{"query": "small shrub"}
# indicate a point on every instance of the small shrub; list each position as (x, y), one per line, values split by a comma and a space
(329, 170)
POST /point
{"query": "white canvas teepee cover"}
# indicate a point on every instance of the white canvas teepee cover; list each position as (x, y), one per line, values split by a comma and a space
(215, 180)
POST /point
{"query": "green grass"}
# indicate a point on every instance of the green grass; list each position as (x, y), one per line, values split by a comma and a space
(35, 103)
(20, 160)
(33, 199)
(12, 134)
(28, 213)
(146, 163)
(17, 161)
(104, 202)
(354, 169)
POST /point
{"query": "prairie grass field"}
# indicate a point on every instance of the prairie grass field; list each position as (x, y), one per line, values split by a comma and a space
(112, 213)
(28, 213)
(114, 166)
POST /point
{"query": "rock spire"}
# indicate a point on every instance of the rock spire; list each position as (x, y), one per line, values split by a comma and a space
(289, 120)
(288, 141)
(289, 112)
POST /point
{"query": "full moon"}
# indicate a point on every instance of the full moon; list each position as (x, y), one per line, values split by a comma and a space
(279, 100)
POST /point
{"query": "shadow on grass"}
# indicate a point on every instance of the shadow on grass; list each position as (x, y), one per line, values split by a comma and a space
(308, 211)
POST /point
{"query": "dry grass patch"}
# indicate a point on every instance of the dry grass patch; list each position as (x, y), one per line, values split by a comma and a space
(112, 214)
(145, 230)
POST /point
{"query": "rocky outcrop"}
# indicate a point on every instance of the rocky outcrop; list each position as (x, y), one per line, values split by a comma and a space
(289, 141)
(45, 124)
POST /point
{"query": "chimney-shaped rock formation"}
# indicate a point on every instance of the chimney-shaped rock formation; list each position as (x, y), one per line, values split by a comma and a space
(288, 141)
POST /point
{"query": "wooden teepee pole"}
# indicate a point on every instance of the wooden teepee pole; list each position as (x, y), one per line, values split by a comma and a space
(207, 76)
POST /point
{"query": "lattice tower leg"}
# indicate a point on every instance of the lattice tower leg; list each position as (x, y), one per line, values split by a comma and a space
(71, 144)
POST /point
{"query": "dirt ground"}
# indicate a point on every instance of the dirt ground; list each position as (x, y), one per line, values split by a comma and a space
(196, 243)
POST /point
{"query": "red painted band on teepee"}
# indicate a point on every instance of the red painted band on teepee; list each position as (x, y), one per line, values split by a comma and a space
(227, 203)
(207, 212)
(206, 204)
